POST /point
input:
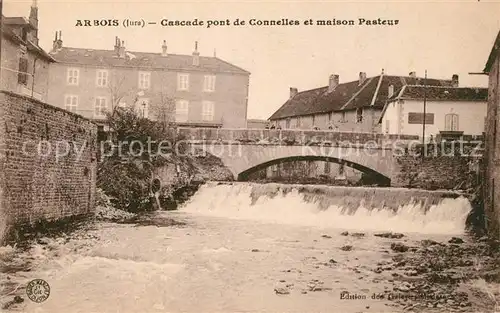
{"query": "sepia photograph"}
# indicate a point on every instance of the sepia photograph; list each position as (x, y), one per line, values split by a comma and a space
(230, 156)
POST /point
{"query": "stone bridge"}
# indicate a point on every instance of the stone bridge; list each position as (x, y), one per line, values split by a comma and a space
(244, 159)
(245, 151)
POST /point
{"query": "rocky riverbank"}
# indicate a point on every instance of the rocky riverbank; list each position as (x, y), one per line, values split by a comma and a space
(436, 274)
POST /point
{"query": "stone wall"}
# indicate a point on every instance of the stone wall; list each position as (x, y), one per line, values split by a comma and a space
(491, 181)
(47, 162)
(440, 169)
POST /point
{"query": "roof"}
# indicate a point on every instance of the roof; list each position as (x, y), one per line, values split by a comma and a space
(438, 93)
(17, 20)
(8, 32)
(493, 54)
(109, 58)
(373, 92)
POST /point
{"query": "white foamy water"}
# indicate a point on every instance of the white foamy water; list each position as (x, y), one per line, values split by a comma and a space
(241, 242)
(235, 201)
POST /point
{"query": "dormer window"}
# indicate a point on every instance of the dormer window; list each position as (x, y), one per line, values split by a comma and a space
(24, 34)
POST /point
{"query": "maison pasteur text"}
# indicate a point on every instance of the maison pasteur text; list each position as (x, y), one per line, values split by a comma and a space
(278, 22)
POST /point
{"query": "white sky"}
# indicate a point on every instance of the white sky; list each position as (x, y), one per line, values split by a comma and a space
(444, 38)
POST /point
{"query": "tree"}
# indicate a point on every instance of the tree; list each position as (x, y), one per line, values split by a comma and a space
(117, 90)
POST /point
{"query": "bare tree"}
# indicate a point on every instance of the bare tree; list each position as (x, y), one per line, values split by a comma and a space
(117, 90)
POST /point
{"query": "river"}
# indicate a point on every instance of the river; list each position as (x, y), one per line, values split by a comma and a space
(243, 248)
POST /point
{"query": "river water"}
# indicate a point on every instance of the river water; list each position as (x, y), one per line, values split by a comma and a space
(242, 249)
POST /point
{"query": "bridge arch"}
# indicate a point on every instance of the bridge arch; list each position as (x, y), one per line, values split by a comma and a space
(381, 178)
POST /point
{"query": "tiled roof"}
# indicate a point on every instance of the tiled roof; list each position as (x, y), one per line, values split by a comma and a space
(493, 54)
(434, 93)
(109, 58)
(438, 93)
(348, 96)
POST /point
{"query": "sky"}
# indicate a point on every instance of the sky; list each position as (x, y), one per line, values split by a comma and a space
(444, 38)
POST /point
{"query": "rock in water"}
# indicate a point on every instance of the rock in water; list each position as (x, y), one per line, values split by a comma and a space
(281, 291)
(346, 248)
(389, 235)
(18, 299)
(344, 233)
(399, 247)
(456, 240)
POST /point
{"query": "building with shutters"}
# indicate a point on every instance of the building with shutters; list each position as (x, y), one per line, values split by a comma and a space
(190, 90)
(451, 112)
(351, 106)
(24, 65)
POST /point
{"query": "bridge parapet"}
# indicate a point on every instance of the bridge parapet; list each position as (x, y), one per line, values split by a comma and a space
(290, 136)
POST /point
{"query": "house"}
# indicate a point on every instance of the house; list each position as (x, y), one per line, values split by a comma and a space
(351, 106)
(450, 112)
(24, 65)
(190, 90)
(491, 164)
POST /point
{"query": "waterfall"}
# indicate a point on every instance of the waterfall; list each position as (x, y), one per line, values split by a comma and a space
(357, 208)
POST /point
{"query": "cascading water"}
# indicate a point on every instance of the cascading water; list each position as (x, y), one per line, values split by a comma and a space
(367, 209)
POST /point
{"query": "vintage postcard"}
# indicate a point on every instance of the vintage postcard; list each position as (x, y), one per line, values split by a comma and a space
(249, 156)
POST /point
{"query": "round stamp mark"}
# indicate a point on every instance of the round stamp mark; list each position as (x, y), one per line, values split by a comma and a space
(38, 290)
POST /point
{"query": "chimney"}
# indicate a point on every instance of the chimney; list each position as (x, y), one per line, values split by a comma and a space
(454, 80)
(362, 78)
(390, 92)
(413, 74)
(164, 49)
(34, 20)
(57, 43)
(121, 50)
(117, 45)
(196, 54)
(333, 82)
(293, 92)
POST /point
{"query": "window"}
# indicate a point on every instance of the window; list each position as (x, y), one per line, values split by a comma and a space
(102, 78)
(24, 34)
(143, 107)
(359, 115)
(181, 110)
(314, 120)
(73, 75)
(297, 122)
(451, 122)
(22, 77)
(209, 83)
(144, 80)
(287, 123)
(207, 113)
(182, 81)
(343, 118)
(100, 107)
(71, 103)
